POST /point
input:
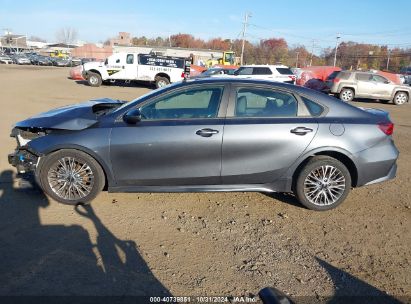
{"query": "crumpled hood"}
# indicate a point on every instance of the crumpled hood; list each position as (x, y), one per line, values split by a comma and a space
(73, 117)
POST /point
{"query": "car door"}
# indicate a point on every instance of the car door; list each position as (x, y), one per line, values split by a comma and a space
(383, 87)
(177, 142)
(266, 130)
(365, 87)
(130, 68)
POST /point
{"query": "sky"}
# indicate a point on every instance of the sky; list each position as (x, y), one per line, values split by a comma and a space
(299, 21)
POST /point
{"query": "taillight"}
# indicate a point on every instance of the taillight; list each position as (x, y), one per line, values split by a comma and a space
(336, 80)
(292, 77)
(182, 75)
(387, 128)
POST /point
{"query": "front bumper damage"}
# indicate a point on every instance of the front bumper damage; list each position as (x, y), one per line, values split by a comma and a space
(24, 160)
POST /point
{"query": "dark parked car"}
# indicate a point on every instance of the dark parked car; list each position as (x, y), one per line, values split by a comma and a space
(40, 60)
(209, 135)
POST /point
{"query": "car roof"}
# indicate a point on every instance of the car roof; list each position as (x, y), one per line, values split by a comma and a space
(264, 66)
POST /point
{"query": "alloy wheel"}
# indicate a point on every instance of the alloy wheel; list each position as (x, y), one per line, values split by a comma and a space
(324, 185)
(70, 178)
(401, 98)
(347, 95)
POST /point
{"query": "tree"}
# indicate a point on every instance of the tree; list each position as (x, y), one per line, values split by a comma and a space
(67, 35)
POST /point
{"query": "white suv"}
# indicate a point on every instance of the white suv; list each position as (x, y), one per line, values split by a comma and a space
(280, 73)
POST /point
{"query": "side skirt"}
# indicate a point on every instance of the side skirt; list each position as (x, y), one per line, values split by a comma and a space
(197, 188)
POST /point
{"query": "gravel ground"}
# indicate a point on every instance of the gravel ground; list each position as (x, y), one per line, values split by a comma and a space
(214, 244)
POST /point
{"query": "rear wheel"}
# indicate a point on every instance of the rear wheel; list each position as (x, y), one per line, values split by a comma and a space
(162, 82)
(347, 95)
(323, 183)
(71, 177)
(400, 98)
(94, 79)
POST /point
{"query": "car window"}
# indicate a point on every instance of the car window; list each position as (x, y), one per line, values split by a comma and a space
(285, 71)
(362, 77)
(187, 104)
(314, 108)
(333, 75)
(244, 71)
(379, 79)
(262, 71)
(130, 59)
(252, 102)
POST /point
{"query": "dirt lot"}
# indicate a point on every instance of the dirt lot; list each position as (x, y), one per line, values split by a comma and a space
(194, 244)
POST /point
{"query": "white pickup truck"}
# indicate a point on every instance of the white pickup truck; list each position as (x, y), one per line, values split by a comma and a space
(161, 70)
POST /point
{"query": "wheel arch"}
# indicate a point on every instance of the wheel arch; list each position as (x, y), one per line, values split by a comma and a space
(336, 154)
(108, 175)
(400, 90)
(345, 86)
(162, 75)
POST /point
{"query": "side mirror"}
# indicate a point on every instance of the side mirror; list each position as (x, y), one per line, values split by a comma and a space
(132, 117)
(387, 82)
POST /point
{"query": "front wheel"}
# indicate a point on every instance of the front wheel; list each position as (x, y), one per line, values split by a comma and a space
(400, 98)
(162, 82)
(323, 183)
(71, 177)
(347, 95)
(94, 79)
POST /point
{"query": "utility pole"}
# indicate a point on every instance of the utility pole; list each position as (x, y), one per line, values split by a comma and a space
(388, 59)
(312, 53)
(296, 63)
(335, 52)
(247, 15)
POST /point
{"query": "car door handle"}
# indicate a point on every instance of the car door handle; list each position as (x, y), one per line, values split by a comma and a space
(206, 132)
(301, 130)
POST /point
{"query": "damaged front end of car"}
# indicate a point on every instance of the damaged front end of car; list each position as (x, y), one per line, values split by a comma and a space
(57, 121)
(23, 158)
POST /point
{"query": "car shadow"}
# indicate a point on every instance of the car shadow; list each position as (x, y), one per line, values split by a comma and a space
(119, 83)
(349, 289)
(287, 198)
(60, 260)
(373, 101)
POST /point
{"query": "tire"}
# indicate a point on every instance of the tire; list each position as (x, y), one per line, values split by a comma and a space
(400, 98)
(94, 79)
(346, 95)
(307, 183)
(162, 82)
(90, 178)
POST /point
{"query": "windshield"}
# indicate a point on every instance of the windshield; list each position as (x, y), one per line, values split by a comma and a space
(211, 72)
(147, 95)
(229, 57)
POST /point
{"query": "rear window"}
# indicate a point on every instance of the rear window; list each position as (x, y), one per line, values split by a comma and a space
(314, 108)
(344, 75)
(362, 77)
(332, 75)
(338, 74)
(262, 71)
(285, 71)
(244, 71)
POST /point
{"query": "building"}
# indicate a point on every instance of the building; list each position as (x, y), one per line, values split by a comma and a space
(92, 51)
(13, 42)
(123, 38)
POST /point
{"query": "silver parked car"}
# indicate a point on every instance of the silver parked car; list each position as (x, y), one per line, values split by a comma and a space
(209, 135)
(357, 84)
(5, 59)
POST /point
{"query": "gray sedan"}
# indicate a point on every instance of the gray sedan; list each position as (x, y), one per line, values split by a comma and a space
(209, 135)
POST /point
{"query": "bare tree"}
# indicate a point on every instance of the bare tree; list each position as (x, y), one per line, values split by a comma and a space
(66, 35)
